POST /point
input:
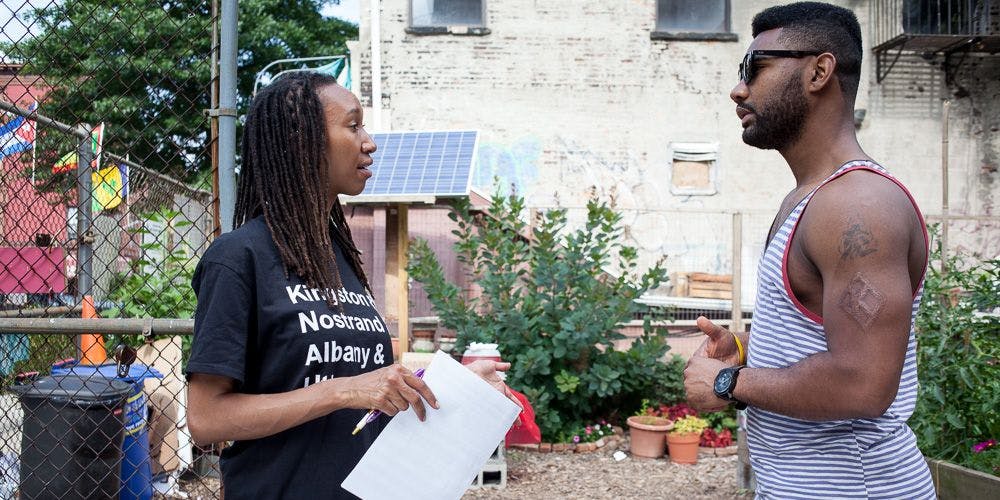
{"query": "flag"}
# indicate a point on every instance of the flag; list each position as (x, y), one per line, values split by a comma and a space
(17, 135)
(69, 160)
(339, 69)
(110, 187)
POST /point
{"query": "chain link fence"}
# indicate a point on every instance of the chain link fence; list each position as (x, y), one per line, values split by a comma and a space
(105, 206)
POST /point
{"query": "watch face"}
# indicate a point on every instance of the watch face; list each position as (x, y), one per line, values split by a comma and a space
(722, 382)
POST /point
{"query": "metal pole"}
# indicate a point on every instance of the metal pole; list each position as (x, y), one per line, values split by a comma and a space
(944, 186)
(376, 34)
(90, 346)
(214, 128)
(227, 114)
(84, 217)
(118, 326)
(81, 133)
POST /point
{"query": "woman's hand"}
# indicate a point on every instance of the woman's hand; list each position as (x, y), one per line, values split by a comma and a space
(490, 372)
(392, 389)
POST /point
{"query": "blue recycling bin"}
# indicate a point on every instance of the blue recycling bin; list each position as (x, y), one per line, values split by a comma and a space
(137, 478)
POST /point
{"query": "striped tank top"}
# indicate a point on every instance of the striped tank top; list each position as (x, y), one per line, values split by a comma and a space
(856, 458)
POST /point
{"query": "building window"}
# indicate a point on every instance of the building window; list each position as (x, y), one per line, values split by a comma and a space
(693, 168)
(458, 15)
(693, 20)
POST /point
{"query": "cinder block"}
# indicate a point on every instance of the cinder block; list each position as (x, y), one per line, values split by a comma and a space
(494, 472)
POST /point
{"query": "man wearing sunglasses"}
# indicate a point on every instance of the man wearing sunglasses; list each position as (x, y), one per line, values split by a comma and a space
(828, 373)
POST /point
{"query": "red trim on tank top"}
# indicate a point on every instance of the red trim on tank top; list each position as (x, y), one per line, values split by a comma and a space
(788, 243)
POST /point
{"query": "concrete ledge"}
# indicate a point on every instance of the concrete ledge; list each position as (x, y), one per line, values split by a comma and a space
(956, 482)
(448, 30)
(693, 37)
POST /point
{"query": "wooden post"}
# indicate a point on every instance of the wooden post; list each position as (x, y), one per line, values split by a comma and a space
(737, 296)
(744, 474)
(403, 302)
(944, 187)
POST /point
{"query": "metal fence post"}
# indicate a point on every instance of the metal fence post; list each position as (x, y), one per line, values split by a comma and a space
(90, 346)
(227, 114)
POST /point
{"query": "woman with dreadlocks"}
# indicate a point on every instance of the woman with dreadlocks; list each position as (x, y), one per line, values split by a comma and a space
(289, 352)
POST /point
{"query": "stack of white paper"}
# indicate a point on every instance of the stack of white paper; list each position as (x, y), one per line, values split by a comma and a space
(437, 458)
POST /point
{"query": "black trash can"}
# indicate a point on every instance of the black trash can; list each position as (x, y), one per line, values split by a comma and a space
(71, 446)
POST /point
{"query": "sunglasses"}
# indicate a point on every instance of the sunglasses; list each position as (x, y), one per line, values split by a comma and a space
(747, 66)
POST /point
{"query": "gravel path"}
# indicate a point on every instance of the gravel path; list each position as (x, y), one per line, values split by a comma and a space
(585, 476)
(598, 476)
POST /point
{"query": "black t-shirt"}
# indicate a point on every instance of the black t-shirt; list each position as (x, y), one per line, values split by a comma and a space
(272, 335)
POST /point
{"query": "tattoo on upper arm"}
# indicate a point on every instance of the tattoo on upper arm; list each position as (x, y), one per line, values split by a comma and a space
(861, 301)
(857, 241)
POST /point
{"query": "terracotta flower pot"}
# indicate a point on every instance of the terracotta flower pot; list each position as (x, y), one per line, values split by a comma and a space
(647, 435)
(684, 447)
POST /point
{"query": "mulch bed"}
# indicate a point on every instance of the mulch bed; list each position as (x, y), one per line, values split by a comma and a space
(598, 476)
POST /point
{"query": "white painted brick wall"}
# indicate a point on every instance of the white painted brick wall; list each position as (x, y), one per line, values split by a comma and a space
(578, 95)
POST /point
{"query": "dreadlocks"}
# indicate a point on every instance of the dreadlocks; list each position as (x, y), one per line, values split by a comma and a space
(284, 177)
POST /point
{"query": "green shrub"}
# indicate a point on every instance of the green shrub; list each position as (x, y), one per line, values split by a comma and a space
(157, 287)
(555, 306)
(958, 360)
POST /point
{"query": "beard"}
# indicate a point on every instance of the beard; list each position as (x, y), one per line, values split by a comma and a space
(781, 122)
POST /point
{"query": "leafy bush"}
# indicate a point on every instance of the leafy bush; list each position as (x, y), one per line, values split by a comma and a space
(157, 287)
(723, 420)
(555, 306)
(958, 358)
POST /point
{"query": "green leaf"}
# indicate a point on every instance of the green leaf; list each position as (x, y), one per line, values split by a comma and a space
(567, 382)
(954, 421)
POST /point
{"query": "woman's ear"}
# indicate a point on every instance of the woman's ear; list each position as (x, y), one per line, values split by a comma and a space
(822, 71)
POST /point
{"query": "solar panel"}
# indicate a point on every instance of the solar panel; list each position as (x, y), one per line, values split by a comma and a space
(423, 163)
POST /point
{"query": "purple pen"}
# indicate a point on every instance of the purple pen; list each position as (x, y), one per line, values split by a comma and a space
(373, 414)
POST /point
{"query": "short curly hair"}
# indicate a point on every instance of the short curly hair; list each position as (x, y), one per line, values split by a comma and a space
(822, 27)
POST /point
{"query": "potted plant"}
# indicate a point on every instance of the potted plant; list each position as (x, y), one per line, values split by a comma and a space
(647, 433)
(717, 438)
(684, 437)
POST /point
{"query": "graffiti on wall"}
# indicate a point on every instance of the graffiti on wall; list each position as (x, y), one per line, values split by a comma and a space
(511, 165)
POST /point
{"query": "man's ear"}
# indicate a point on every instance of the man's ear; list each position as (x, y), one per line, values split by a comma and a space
(822, 71)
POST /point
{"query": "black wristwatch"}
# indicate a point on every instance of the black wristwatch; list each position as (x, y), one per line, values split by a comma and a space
(725, 384)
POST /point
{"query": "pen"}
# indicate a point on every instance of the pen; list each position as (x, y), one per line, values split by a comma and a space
(373, 413)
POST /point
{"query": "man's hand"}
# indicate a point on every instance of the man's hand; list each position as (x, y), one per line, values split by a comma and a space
(719, 343)
(699, 380)
(490, 372)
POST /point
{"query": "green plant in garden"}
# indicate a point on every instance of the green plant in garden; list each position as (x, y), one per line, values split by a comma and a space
(722, 420)
(589, 433)
(958, 361)
(986, 457)
(554, 299)
(689, 424)
(158, 285)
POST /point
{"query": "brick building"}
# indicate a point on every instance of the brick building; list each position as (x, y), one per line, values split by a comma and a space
(633, 98)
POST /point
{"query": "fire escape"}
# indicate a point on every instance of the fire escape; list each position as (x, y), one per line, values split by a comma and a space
(929, 28)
